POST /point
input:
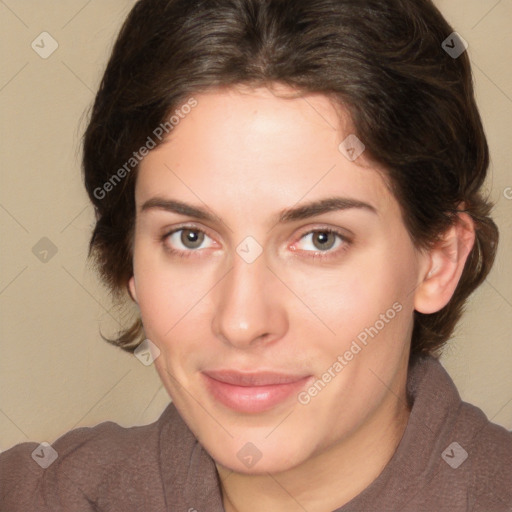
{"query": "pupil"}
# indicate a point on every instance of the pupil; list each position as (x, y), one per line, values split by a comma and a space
(323, 237)
(191, 239)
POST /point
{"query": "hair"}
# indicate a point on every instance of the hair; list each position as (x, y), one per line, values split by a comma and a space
(409, 101)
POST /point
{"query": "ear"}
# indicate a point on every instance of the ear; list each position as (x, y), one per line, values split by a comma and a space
(131, 289)
(444, 265)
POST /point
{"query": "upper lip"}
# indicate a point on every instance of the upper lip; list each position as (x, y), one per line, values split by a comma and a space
(263, 378)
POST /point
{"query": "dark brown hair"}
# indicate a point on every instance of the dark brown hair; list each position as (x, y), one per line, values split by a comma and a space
(410, 102)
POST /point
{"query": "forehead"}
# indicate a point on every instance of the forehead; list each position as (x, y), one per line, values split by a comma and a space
(242, 145)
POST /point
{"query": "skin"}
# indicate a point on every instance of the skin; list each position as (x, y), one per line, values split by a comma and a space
(246, 155)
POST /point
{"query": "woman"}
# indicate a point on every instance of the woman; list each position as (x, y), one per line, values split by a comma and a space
(290, 192)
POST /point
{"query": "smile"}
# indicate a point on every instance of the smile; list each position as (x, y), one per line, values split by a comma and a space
(253, 393)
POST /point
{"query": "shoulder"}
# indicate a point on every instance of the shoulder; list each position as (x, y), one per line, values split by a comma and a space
(487, 450)
(103, 444)
(476, 454)
(83, 464)
(465, 458)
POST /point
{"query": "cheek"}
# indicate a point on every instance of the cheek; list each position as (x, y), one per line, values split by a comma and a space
(368, 298)
(162, 295)
(164, 288)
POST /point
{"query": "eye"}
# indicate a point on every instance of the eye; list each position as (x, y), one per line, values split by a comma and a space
(325, 240)
(185, 240)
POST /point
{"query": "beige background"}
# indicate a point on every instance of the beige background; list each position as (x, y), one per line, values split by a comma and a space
(55, 371)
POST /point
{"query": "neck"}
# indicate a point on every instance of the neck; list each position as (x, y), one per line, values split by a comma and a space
(328, 480)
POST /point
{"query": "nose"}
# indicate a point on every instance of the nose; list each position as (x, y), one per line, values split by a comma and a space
(249, 305)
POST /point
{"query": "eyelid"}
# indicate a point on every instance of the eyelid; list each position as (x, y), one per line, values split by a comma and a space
(343, 233)
(168, 232)
(346, 240)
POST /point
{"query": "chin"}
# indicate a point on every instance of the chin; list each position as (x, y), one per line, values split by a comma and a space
(251, 460)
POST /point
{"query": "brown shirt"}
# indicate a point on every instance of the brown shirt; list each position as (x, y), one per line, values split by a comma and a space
(451, 458)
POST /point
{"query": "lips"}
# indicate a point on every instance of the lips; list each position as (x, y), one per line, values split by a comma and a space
(253, 392)
(253, 379)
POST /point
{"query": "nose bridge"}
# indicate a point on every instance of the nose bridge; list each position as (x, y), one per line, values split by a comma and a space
(245, 310)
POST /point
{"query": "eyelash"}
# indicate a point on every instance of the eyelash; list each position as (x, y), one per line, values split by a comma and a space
(322, 255)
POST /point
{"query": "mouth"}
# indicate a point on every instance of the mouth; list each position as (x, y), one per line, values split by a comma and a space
(253, 392)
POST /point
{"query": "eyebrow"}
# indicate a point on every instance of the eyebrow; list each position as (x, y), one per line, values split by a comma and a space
(305, 211)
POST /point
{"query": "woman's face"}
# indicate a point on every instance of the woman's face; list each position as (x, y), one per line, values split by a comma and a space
(283, 322)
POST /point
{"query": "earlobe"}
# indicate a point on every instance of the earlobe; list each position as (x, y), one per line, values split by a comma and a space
(446, 262)
(131, 289)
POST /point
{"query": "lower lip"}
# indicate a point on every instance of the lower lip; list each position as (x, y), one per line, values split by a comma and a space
(253, 399)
